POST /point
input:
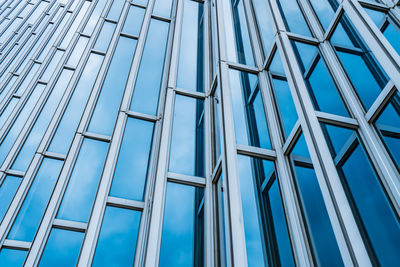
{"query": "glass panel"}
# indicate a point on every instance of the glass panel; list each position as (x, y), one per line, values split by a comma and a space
(94, 17)
(264, 24)
(190, 67)
(62, 248)
(74, 26)
(217, 120)
(133, 160)
(82, 186)
(182, 226)
(377, 17)
(325, 11)
(243, 43)
(104, 37)
(8, 188)
(12, 257)
(7, 111)
(220, 208)
(7, 87)
(51, 68)
(107, 107)
(69, 123)
(376, 217)
(392, 34)
(388, 126)
(117, 240)
(133, 21)
(257, 215)
(293, 17)
(248, 110)
(35, 203)
(35, 136)
(76, 54)
(148, 82)
(162, 8)
(27, 80)
(186, 152)
(116, 9)
(319, 225)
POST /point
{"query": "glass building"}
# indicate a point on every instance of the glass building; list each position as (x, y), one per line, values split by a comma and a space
(199, 133)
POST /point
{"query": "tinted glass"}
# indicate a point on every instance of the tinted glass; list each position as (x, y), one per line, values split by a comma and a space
(12, 257)
(133, 21)
(264, 24)
(294, 19)
(8, 188)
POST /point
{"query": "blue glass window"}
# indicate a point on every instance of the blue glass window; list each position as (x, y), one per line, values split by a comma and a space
(293, 17)
(8, 188)
(104, 37)
(117, 240)
(187, 149)
(148, 82)
(325, 11)
(94, 17)
(190, 67)
(12, 257)
(133, 21)
(62, 248)
(377, 221)
(107, 107)
(35, 203)
(182, 227)
(248, 110)
(320, 229)
(82, 186)
(116, 9)
(131, 170)
(76, 54)
(162, 8)
(264, 24)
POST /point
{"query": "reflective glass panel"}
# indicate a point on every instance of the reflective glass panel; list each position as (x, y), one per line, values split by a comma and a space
(264, 24)
(325, 11)
(116, 9)
(8, 188)
(12, 257)
(293, 17)
(133, 21)
(104, 37)
(162, 8)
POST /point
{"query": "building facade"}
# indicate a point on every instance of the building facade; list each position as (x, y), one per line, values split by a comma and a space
(199, 133)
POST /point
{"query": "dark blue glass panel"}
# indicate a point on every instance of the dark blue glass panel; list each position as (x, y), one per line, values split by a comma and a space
(116, 9)
(190, 67)
(186, 153)
(243, 43)
(294, 19)
(62, 248)
(162, 8)
(392, 34)
(180, 226)
(104, 37)
(264, 24)
(305, 53)
(107, 107)
(319, 225)
(35, 203)
(12, 257)
(82, 186)
(325, 11)
(133, 21)
(148, 82)
(8, 188)
(70, 120)
(130, 173)
(117, 240)
(248, 110)
(35, 136)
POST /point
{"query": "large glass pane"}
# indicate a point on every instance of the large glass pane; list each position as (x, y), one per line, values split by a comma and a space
(78, 51)
(35, 203)
(117, 240)
(133, 160)
(69, 123)
(12, 257)
(242, 37)
(116, 9)
(319, 226)
(190, 67)
(148, 82)
(8, 188)
(293, 17)
(35, 136)
(104, 37)
(264, 24)
(94, 17)
(182, 227)
(62, 248)
(107, 107)
(325, 11)
(377, 219)
(82, 186)
(133, 21)
(186, 152)
(162, 8)
(248, 110)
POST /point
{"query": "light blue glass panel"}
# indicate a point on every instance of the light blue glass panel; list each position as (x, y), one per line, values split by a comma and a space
(248, 112)
(19, 122)
(243, 43)
(107, 107)
(8, 188)
(325, 11)
(187, 137)
(376, 16)
(94, 17)
(148, 82)
(190, 67)
(264, 24)
(116, 9)
(70, 120)
(179, 226)
(162, 8)
(294, 19)
(76, 54)
(35, 136)
(50, 69)
(133, 21)
(62, 248)
(133, 160)
(35, 203)
(27, 80)
(7, 87)
(12, 257)
(7, 111)
(117, 240)
(104, 37)
(82, 186)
